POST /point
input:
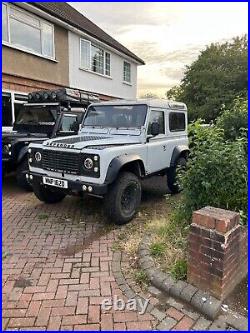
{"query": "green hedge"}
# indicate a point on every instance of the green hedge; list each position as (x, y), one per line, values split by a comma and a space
(217, 171)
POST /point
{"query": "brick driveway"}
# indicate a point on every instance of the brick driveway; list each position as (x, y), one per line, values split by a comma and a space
(57, 266)
(57, 269)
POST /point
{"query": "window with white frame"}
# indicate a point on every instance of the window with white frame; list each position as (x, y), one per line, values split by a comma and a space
(26, 31)
(11, 105)
(94, 58)
(126, 72)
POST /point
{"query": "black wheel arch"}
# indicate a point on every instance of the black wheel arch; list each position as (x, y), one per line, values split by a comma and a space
(132, 163)
(179, 151)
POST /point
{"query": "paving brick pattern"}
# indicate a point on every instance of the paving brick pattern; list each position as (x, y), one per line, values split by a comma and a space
(57, 269)
(57, 266)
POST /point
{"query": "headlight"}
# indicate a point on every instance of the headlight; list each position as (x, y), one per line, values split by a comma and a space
(88, 163)
(38, 156)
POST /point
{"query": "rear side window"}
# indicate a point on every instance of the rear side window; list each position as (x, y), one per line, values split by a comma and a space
(177, 121)
(157, 116)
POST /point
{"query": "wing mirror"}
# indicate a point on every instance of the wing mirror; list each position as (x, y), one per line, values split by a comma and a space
(155, 128)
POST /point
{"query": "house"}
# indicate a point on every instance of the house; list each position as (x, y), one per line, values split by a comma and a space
(47, 45)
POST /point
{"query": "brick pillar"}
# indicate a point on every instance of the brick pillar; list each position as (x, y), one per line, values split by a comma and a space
(214, 251)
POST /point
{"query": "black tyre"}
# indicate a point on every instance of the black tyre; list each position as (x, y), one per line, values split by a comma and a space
(172, 177)
(123, 199)
(45, 194)
(22, 170)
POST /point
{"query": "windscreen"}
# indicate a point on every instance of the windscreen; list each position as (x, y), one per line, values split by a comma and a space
(116, 116)
(36, 115)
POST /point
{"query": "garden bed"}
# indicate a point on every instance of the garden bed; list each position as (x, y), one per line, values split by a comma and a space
(168, 238)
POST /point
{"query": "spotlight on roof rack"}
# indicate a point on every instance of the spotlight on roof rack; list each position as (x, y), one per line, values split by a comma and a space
(45, 95)
(37, 96)
(53, 95)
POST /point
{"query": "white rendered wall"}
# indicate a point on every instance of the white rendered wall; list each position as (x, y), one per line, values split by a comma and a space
(93, 82)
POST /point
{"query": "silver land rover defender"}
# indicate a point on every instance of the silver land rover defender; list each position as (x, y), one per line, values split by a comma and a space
(120, 143)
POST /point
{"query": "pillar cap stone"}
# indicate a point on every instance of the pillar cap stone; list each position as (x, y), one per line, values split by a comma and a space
(216, 218)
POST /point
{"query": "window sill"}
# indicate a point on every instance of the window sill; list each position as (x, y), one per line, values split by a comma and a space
(19, 48)
(127, 83)
(98, 74)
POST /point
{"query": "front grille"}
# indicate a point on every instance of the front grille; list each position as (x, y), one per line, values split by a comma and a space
(61, 161)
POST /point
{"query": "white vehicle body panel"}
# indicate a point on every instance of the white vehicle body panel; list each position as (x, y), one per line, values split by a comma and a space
(155, 152)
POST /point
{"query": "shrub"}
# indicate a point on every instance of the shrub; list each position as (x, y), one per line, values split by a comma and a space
(217, 172)
(234, 122)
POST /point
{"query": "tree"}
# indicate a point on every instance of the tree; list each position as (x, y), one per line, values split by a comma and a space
(174, 93)
(234, 122)
(215, 79)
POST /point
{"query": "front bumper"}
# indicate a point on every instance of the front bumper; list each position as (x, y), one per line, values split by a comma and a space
(73, 186)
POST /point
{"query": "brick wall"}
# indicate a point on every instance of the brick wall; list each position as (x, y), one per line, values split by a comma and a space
(25, 85)
(217, 252)
(20, 84)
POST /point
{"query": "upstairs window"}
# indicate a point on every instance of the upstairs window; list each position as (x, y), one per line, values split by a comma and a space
(94, 58)
(4, 23)
(127, 72)
(177, 121)
(26, 31)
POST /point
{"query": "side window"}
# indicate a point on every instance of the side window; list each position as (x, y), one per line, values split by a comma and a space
(177, 121)
(6, 109)
(157, 116)
(69, 123)
(19, 100)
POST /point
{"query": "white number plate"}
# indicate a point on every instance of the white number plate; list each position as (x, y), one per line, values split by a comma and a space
(55, 182)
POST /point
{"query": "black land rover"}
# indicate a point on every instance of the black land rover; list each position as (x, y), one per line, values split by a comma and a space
(47, 114)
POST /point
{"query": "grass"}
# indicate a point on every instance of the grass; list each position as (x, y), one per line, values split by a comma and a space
(179, 269)
(157, 249)
(168, 231)
(141, 277)
(168, 245)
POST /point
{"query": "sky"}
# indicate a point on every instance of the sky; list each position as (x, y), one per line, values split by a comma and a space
(167, 36)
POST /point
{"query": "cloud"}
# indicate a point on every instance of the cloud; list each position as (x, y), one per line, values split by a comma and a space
(173, 73)
(124, 14)
(167, 36)
(152, 53)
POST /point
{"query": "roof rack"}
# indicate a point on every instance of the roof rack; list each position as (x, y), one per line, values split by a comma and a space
(62, 95)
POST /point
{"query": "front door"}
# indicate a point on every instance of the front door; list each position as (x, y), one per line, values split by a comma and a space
(157, 155)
